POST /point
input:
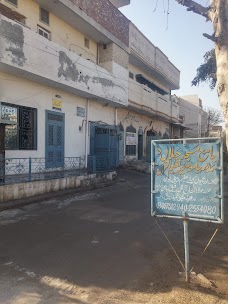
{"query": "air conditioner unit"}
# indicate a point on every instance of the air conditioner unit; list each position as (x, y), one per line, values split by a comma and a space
(8, 114)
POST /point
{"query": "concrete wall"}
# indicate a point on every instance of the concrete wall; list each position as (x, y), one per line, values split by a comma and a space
(146, 99)
(130, 118)
(20, 91)
(120, 3)
(61, 33)
(136, 70)
(192, 118)
(25, 190)
(153, 56)
(24, 51)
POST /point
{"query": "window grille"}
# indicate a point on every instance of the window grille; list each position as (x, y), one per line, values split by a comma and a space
(22, 135)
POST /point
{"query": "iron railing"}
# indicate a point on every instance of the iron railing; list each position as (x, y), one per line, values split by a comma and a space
(98, 164)
(18, 170)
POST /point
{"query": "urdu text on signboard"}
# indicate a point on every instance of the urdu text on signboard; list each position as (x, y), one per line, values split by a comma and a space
(187, 180)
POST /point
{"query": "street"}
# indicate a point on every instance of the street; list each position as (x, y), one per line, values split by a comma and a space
(103, 247)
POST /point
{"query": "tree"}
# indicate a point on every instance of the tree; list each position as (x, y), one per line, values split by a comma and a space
(217, 13)
(214, 117)
(207, 71)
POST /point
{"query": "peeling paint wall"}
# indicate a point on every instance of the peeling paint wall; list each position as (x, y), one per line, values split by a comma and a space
(16, 90)
(61, 32)
(14, 35)
(61, 66)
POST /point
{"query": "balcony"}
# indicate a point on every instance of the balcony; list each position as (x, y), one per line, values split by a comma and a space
(146, 56)
(27, 54)
(144, 100)
(99, 20)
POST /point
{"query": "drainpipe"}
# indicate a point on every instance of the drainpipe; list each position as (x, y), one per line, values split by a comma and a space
(87, 133)
(116, 116)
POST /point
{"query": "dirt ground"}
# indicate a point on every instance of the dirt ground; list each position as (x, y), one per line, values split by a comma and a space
(102, 247)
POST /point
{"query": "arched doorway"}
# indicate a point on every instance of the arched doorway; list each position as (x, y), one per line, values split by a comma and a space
(131, 141)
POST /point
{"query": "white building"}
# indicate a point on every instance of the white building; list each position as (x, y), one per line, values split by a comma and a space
(77, 78)
(192, 115)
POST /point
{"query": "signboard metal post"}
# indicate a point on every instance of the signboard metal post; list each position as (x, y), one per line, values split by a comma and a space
(186, 249)
(187, 182)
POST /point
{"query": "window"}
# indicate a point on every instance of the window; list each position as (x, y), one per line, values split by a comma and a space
(44, 15)
(86, 42)
(43, 32)
(14, 2)
(23, 134)
(131, 75)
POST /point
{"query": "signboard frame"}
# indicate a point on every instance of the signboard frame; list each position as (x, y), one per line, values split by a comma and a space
(184, 141)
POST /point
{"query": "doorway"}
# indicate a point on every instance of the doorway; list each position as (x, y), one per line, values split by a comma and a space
(54, 140)
(2, 153)
(140, 146)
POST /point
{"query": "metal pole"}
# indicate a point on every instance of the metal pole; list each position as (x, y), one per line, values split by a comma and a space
(186, 249)
(87, 133)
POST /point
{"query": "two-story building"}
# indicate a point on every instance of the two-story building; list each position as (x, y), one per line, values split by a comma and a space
(192, 116)
(77, 78)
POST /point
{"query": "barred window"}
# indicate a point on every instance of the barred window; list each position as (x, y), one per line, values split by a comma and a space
(23, 134)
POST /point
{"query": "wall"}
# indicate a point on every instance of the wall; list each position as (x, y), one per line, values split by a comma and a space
(115, 60)
(61, 33)
(153, 56)
(23, 92)
(192, 118)
(136, 70)
(127, 118)
(104, 13)
(25, 190)
(27, 51)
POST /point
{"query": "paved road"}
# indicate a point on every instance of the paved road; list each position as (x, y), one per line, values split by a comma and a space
(84, 247)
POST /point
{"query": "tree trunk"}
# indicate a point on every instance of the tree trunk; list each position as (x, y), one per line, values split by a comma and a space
(219, 18)
(217, 13)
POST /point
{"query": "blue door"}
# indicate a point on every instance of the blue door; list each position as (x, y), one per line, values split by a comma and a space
(54, 140)
(149, 136)
(104, 145)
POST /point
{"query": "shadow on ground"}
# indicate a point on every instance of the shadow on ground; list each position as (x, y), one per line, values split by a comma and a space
(101, 247)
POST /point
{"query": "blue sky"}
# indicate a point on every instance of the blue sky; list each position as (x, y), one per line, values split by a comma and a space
(182, 42)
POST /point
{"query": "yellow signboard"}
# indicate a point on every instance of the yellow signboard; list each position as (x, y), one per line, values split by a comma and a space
(57, 104)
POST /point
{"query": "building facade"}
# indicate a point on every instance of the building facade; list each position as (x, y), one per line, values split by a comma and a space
(77, 78)
(192, 116)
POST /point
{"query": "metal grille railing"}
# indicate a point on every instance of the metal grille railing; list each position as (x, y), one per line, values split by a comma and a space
(18, 170)
(97, 164)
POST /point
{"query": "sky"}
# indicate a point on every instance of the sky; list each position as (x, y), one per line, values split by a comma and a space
(179, 37)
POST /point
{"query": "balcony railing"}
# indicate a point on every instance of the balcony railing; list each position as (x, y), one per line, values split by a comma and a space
(146, 99)
(98, 164)
(23, 170)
